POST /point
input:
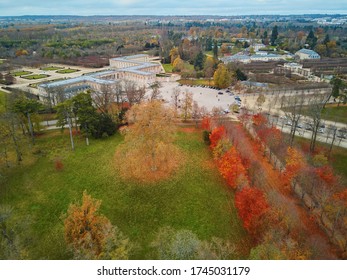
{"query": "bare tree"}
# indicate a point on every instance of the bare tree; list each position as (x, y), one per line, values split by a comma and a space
(293, 113)
(175, 97)
(104, 97)
(133, 93)
(316, 105)
(155, 93)
(187, 105)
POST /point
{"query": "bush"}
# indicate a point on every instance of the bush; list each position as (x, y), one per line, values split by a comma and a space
(58, 164)
(206, 137)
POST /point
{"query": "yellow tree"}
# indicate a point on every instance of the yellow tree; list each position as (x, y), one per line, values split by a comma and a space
(178, 64)
(147, 152)
(174, 53)
(91, 235)
(222, 77)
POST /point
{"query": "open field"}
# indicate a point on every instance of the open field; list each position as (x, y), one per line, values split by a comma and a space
(195, 198)
(35, 77)
(67, 71)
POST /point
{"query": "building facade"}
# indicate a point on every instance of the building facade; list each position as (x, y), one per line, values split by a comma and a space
(136, 68)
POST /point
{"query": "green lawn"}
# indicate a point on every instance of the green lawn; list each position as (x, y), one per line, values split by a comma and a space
(20, 73)
(168, 68)
(35, 77)
(51, 68)
(330, 113)
(195, 198)
(67, 71)
(335, 113)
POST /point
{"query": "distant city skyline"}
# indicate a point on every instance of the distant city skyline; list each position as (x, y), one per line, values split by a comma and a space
(179, 7)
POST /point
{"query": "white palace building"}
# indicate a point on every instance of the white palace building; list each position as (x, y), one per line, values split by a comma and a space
(136, 68)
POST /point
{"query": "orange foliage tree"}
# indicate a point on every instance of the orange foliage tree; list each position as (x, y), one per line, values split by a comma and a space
(217, 134)
(326, 173)
(251, 205)
(231, 167)
(206, 123)
(295, 161)
(259, 119)
(91, 235)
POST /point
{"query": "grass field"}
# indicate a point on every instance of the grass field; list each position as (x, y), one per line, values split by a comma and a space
(20, 73)
(195, 198)
(67, 71)
(334, 113)
(51, 68)
(168, 68)
(35, 77)
(2, 101)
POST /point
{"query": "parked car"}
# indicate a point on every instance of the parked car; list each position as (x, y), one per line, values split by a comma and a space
(220, 92)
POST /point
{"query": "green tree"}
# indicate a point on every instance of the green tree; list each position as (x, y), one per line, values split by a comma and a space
(311, 39)
(26, 107)
(337, 85)
(199, 61)
(215, 49)
(240, 76)
(274, 35)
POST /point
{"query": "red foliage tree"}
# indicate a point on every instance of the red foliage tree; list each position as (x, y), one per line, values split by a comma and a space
(58, 164)
(216, 134)
(326, 173)
(259, 119)
(271, 136)
(251, 205)
(206, 123)
(232, 169)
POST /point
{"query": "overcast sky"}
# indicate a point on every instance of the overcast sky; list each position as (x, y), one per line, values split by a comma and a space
(166, 7)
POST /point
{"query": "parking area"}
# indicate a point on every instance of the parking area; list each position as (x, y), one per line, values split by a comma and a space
(204, 96)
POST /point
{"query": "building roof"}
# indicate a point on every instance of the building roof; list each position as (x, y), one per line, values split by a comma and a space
(308, 52)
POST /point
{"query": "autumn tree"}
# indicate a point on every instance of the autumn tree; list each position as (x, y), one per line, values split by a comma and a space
(231, 168)
(90, 235)
(209, 67)
(251, 205)
(222, 77)
(217, 134)
(148, 152)
(174, 53)
(178, 64)
(295, 161)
